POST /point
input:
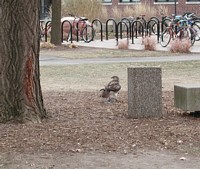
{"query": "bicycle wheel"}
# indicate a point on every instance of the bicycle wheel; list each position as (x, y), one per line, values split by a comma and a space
(165, 24)
(186, 34)
(165, 38)
(196, 27)
(68, 38)
(192, 33)
(88, 33)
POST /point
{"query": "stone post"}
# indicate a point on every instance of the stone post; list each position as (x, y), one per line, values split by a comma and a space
(144, 92)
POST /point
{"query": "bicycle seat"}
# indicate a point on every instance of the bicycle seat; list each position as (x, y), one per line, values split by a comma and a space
(142, 15)
(83, 18)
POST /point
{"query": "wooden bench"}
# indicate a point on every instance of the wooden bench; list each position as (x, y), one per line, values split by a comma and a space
(187, 97)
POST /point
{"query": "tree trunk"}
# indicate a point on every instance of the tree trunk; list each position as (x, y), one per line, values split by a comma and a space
(20, 90)
(56, 22)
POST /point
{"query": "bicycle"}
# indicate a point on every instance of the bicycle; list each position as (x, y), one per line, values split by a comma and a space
(45, 27)
(81, 28)
(178, 28)
(194, 23)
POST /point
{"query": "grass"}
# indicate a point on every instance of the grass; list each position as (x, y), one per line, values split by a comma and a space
(83, 52)
(89, 77)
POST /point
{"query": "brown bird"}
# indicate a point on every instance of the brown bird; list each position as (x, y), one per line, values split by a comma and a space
(111, 89)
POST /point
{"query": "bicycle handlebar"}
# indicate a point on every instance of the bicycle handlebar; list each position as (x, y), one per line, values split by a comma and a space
(74, 16)
(82, 19)
(70, 14)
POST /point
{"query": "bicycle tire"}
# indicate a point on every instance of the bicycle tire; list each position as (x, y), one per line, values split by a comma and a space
(165, 24)
(192, 36)
(88, 33)
(197, 29)
(165, 38)
(69, 36)
(187, 34)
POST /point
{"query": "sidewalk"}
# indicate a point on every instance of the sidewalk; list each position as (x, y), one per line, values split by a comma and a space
(111, 44)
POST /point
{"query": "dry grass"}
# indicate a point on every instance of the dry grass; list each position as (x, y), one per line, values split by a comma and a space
(88, 52)
(103, 15)
(163, 10)
(92, 77)
(87, 8)
(128, 11)
(123, 43)
(149, 43)
(116, 13)
(145, 9)
(180, 46)
(47, 45)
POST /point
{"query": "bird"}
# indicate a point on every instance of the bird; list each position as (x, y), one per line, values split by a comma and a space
(111, 90)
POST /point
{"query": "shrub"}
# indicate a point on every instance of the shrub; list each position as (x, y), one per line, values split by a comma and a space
(180, 46)
(149, 43)
(86, 8)
(123, 43)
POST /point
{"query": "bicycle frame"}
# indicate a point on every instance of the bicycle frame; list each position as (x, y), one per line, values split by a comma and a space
(44, 29)
(78, 25)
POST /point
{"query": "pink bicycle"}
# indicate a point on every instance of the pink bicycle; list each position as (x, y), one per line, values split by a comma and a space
(82, 28)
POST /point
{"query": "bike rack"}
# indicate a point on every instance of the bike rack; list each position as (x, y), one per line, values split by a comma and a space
(129, 22)
(156, 20)
(162, 24)
(145, 22)
(132, 29)
(68, 32)
(77, 39)
(97, 20)
(117, 28)
(115, 23)
(45, 34)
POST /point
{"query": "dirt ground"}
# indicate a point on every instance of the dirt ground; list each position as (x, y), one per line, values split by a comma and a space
(81, 131)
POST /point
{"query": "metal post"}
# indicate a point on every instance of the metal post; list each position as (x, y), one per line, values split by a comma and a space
(175, 7)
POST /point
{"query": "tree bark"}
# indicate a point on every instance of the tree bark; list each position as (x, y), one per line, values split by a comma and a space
(56, 22)
(20, 90)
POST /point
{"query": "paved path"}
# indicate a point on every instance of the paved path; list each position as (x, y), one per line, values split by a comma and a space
(54, 60)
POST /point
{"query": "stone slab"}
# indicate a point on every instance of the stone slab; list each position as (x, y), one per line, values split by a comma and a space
(187, 97)
(144, 92)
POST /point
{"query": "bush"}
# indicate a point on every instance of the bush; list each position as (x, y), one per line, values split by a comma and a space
(87, 8)
(123, 43)
(149, 43)
(180, 46)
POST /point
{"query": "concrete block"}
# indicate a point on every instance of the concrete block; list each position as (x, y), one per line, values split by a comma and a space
(144, 92)
(187, 97)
